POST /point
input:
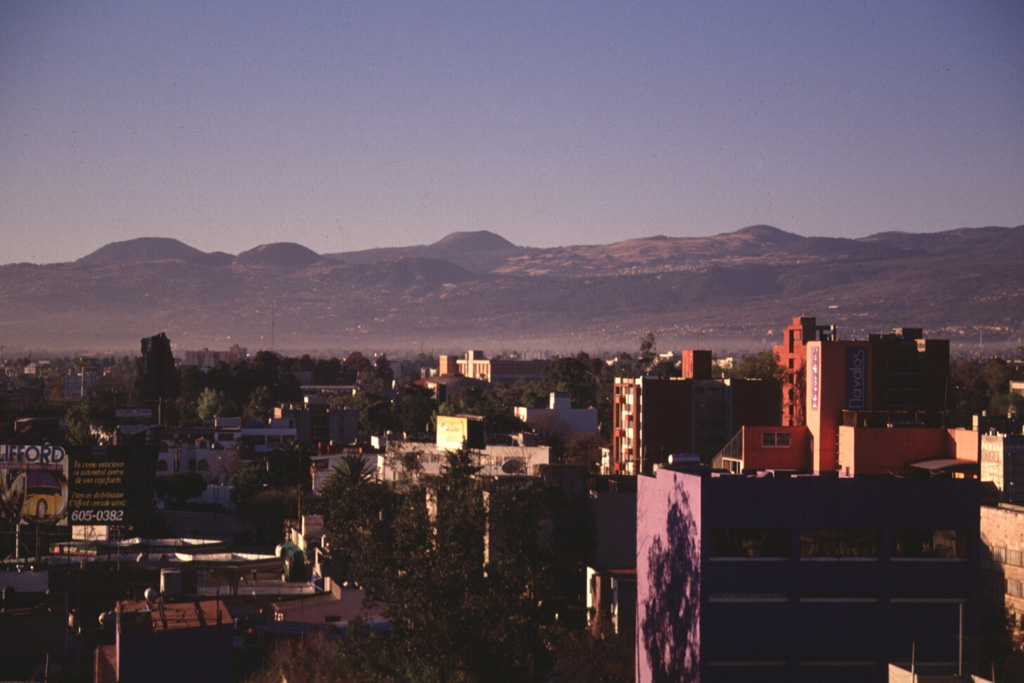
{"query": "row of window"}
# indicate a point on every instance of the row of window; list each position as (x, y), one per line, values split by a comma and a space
(193, 466)
(258, 440)
(839, 543)
(837, 598)
(1005, 556)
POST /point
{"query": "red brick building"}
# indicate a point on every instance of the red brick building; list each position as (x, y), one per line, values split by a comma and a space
(653, 418)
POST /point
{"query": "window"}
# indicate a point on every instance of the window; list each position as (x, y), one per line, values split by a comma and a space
(839, 544)
(748, 597)
(1013, 557)
(1014, 588)
(775, 440)
(839, 598)
(949, 544)
(928, 599)
(749, 543)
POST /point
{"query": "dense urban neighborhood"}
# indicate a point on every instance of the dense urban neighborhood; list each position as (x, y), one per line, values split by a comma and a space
(830, 508)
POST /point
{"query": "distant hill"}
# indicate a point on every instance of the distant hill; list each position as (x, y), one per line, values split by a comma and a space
(478, 251)
(280, 255)
(150, 249)
(477, 290)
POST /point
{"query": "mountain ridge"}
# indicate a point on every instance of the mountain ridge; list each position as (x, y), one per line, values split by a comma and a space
(478, 290)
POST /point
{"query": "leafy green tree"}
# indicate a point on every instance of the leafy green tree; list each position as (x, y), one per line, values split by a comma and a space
(648, 353)
(414, 408)
(353, 366)
(997, 374)
(288, 465)
(247, 483)
(624, 366)
(967, 391)
(352, 470)
(375, 412)
(297, 454)
(763, 365)
(573, 374)
(181, 486)
(261, 404)
(526, 393)
(585, 450)
(89, 425)
(357, 519)
(327, 371)
(186, 405)
(213, 404)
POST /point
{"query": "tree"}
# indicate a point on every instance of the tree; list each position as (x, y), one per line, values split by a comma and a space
(763, 365)
(352, 470)
(181, 486)
(213, 404)
(297, 454)
(414, 408)
(89, 425)
(575, 375)
(551, 431)
(374, 412)
(261, 404)
(357, 519)
(648, 353)
(585, 450)
(247, 483)
(352, 367)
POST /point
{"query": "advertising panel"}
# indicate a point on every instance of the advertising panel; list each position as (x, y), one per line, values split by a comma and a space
(111, 485)
(452, 431)
(98, 489)
(33, 483)
(856, 378)
(814, 377)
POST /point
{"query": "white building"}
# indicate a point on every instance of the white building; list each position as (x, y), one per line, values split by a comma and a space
(560, 410)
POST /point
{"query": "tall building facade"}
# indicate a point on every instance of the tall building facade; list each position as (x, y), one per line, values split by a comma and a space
(791, 355)
(802, 578)
(895, 380)
(653, 417)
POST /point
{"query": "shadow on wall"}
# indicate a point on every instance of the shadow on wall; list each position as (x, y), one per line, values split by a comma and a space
(671, 611)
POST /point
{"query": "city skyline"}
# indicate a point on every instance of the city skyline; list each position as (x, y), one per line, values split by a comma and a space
(355, 126)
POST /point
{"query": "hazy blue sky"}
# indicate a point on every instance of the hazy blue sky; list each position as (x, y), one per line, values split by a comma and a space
(350, 125)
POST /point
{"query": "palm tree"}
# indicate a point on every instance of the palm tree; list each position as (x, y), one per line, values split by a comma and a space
(353, 469)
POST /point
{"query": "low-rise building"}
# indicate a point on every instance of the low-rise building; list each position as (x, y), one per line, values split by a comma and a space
(505, 370)
(560, 413)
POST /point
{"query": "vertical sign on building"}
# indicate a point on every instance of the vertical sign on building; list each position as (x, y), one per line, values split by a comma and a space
(856, 377)
(814, 376)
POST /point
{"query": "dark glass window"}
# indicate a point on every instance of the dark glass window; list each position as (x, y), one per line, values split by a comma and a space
(749, 543)
(839, 543)
(930, 543)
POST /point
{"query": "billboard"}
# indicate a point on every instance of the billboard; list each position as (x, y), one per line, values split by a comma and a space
(454, 430)
(856, 378)
(111, 485)
(814, 376)
(33, 483)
